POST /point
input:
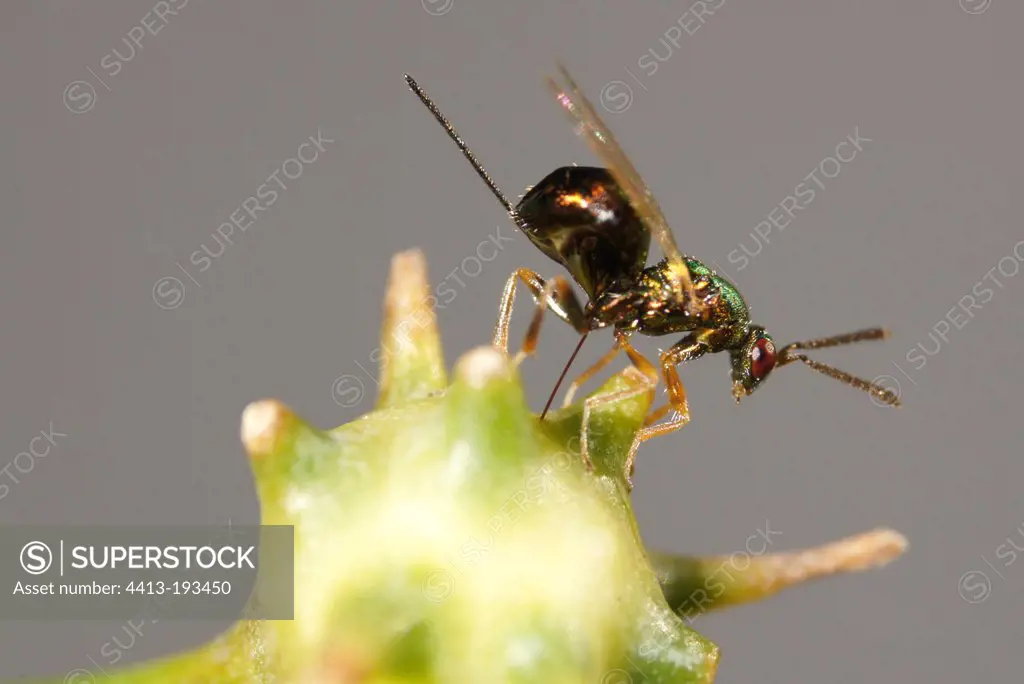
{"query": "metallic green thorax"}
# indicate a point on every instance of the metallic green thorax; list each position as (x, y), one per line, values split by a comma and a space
(731, 297)
(727, 311)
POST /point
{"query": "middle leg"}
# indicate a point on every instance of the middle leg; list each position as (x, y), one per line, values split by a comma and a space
(691, 347)
(621, 344)
(644, 371)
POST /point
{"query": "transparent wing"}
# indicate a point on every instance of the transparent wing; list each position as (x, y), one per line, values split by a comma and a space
(603, 143)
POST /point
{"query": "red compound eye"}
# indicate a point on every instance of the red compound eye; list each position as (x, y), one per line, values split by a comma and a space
(762, 358)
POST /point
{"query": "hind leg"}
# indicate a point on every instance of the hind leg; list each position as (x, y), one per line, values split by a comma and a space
(556, 294)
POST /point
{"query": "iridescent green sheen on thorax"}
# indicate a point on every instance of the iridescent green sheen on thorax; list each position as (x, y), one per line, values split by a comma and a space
(732, 300)
(727, 311)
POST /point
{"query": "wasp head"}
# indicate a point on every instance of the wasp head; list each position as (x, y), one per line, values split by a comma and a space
(752, 362)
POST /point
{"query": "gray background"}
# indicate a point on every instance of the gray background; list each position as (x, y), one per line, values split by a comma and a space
(99, 205)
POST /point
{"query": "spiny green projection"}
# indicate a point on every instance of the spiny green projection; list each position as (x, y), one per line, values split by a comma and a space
(451, 537)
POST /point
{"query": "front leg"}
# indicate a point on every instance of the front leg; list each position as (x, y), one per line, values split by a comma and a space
(689, 348)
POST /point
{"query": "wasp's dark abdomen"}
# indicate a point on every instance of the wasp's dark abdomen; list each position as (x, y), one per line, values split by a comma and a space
(579, 217)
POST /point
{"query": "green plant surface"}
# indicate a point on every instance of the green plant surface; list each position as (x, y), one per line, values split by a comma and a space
(449, 536)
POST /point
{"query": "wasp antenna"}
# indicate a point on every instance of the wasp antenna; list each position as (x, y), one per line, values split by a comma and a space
(837, 340)
(464, 148)
(887, 396)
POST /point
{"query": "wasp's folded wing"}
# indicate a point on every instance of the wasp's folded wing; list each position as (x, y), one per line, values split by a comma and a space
(604, 145)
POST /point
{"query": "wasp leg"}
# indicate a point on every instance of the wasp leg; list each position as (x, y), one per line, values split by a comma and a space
(689, 348)
(657, 414)
(621, 343)
(644, 370)
(589, 373)
(543, 300)
(560, 299)
(590, 404)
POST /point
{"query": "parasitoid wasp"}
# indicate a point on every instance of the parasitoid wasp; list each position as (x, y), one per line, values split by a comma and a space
(597, 223)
